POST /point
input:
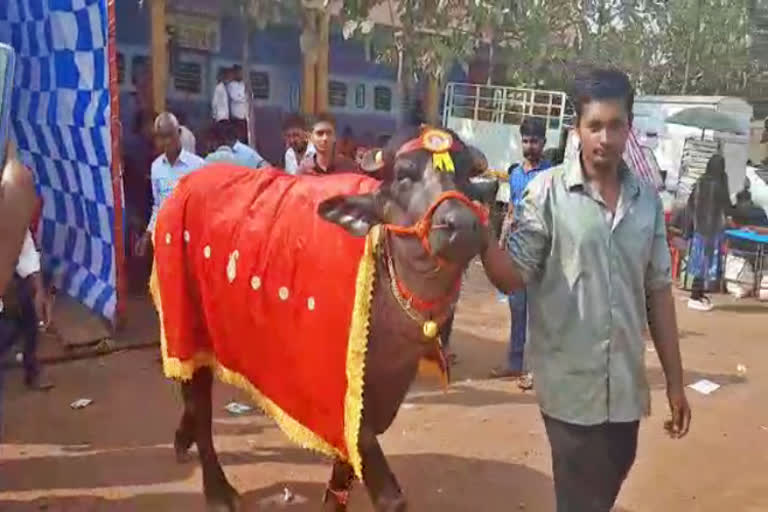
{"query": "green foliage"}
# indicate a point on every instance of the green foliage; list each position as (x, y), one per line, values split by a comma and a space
(667, 46)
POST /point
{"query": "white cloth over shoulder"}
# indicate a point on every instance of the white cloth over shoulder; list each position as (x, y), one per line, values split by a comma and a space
(292, 163)
(28, 262)
(220, 102)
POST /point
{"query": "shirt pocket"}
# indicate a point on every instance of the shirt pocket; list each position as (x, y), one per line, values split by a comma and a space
(580, 243)
(636, 233)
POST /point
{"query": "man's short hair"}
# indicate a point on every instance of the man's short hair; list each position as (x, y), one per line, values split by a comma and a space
(294, 120)
(533, 127)
(167, 119)
(225, 132)
(601, 84)
(324, 117)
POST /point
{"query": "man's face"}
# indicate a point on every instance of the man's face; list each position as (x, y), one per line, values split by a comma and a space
(295, 138)
(323, 136)
(168, 140)
(237, 75)
(603, 128)
(533, 146)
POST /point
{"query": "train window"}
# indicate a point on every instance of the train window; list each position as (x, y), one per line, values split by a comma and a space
(139, 68)
(337, 94)
(360, 96)
(120, 68)
(382, 98)
(260, 85)
(188, 77)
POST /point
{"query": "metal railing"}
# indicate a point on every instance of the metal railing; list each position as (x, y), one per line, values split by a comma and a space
(506, 105)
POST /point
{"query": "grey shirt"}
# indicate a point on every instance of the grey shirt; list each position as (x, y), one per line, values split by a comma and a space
(587, 273)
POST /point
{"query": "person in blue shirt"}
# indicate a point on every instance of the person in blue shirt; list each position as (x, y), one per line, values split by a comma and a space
(231, 150)
(533, 138)
(173, 164)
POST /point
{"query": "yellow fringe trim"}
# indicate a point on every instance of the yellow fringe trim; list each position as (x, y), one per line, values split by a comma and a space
(357, 347)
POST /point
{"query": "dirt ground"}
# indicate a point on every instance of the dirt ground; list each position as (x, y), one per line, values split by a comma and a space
(480, 447)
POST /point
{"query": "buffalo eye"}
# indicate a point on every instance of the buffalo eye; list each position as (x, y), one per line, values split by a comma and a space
(406, 169)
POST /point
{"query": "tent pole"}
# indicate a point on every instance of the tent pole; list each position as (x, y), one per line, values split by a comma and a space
(116, 166)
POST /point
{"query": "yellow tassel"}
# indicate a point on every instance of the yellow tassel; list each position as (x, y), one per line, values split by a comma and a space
(443, 162)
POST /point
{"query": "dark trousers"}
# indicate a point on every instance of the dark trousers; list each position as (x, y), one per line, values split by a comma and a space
(590, 463)
(518, 309)
(697, 288)
(21, 324)
(241, 129)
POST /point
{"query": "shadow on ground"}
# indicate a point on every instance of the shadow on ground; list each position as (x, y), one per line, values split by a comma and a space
(743, 308)
(134, 466)
(432, 482)
(468, 396)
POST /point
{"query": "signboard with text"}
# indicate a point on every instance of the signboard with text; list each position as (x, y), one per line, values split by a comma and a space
(195, 32)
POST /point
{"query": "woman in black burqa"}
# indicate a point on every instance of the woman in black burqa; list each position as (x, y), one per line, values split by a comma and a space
(708, 207)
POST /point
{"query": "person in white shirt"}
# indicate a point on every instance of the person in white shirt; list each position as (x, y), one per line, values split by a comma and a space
(33, 315)
(220, 101)
(231, 150)
(167, 169)
(238, 103)
(297, 142)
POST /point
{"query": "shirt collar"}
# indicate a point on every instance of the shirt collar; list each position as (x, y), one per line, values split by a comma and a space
(542, 166)
(574, 176)
(183, 158)
(318, 169)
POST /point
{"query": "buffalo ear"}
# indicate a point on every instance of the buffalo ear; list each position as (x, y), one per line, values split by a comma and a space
(479, 162)
(372, 161)
(356, 214)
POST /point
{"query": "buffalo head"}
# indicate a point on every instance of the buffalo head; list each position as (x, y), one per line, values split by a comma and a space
(423, 170)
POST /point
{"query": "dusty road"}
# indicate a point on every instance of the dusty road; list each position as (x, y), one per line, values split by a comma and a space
(480, 447)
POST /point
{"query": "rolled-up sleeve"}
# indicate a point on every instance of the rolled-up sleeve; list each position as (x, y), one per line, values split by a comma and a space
(659, 272)
(529, 242)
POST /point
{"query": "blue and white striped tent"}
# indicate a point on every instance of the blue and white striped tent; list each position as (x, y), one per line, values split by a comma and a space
(61, 121)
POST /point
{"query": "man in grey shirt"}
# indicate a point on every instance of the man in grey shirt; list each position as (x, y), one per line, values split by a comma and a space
(591, 249)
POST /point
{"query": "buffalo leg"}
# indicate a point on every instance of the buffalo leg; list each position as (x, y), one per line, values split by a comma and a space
(219, 494)
(185, 434)
(379, 480)
(335, 499)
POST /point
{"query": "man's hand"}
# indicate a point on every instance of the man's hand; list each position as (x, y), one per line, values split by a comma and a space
(663, 324)
(678, 426)
(42, 301)
(142, 246)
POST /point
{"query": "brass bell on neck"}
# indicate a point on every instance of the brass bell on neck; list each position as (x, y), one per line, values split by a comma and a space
(430, 329)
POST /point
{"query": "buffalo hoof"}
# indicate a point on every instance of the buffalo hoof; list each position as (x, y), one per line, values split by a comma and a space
(225, 500)
(333, 506)
(181, 445)
(232, 505)
(396, 504)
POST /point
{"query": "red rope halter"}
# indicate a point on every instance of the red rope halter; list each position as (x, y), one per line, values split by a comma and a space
(421, 230)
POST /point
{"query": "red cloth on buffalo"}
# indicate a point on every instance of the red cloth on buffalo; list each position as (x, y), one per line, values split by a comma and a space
(250, 281)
